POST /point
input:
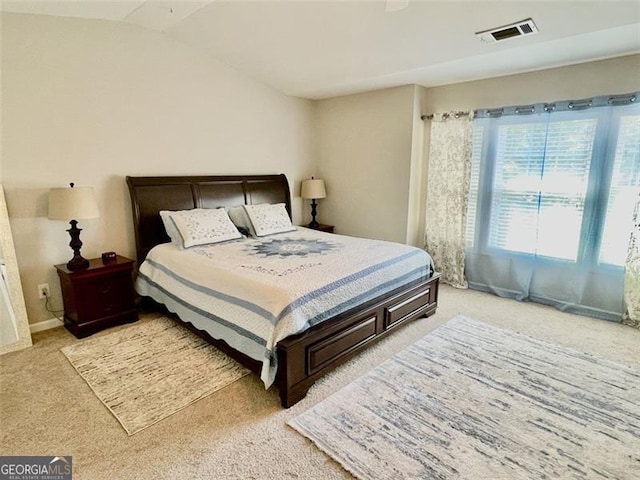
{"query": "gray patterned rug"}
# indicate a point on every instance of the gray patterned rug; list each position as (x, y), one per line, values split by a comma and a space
(473, 401)
(151, 370)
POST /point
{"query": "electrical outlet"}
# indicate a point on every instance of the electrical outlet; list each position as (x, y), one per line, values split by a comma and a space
(43, 290)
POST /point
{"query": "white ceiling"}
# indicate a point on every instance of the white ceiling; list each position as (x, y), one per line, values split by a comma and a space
(318, 49)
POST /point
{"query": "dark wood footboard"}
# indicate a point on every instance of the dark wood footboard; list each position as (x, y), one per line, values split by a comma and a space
(304, 358)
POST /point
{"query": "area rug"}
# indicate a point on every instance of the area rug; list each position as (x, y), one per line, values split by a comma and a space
(473, 401)
(151, 370)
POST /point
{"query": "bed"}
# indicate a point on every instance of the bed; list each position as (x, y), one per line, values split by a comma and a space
(324, 334)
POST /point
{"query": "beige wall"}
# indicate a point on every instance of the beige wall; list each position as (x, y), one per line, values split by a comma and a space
(616, 75)
(418, 173)
(92, 101)
(364, 146)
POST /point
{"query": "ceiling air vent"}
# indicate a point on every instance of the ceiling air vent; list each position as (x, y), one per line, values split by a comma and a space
(518, 29)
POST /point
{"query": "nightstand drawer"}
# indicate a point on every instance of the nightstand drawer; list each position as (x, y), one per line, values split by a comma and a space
(107, 294)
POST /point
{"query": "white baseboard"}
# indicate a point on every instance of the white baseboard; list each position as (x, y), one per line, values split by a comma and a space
(45, 325)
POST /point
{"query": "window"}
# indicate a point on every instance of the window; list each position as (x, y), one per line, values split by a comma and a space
(547, 191)
(551, 200)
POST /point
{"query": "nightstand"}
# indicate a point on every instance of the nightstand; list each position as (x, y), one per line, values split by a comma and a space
(324, 228)
(98, 297)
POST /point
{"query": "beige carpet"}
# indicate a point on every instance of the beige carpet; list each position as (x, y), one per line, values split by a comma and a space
(473, 401)
(239, 432)
(146, 372)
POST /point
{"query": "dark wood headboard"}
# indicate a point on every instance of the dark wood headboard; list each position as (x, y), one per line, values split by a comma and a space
(149, 195)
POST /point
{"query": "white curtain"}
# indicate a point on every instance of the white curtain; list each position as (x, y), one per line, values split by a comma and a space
(448, 173)
(632, 274)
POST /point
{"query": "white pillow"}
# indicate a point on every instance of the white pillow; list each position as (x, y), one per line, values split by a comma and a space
(203, 226)
(268, 219)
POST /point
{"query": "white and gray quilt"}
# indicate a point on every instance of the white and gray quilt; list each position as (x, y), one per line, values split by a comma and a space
(254, 292)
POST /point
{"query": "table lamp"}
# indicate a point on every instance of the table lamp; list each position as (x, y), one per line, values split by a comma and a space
(73, 204)
(313, 189)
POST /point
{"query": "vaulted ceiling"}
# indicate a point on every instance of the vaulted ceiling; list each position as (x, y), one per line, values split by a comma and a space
(318, 49)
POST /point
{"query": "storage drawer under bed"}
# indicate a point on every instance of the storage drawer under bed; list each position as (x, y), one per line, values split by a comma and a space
(372, 323)
(320, 354)
(411, 305)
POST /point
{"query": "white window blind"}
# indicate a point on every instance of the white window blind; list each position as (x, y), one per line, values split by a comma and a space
(540, 183)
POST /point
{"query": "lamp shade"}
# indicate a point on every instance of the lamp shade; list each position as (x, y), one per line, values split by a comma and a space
(72, 203)
(313, 189)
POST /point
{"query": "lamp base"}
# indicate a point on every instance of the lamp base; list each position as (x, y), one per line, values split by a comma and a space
(314, 223)
(77, 262)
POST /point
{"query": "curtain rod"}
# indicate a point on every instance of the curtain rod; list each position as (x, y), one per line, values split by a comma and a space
(560, 106)
(599, 101)
(454, 114)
